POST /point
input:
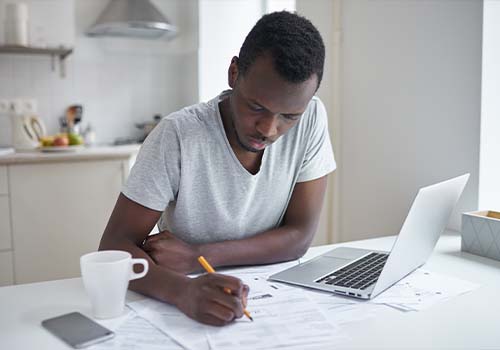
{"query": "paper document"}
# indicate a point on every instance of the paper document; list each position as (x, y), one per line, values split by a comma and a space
(138, 334)
(183, 330)
(282, 320)
(422, 289)
(342, 310)
(284, 317)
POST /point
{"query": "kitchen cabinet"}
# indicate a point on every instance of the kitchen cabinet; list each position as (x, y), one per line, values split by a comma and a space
(5, 236)
(6, 269)
(6, 263)
(3, 180)
(58, 207)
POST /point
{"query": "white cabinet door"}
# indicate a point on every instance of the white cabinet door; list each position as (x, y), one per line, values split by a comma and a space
(59, 212)
(4, 187)
(6, 270)
(5, 236)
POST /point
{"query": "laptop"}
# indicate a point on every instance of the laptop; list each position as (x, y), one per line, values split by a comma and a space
(364, 274)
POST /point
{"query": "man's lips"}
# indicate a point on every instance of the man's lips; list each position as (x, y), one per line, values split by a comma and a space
(256, 143)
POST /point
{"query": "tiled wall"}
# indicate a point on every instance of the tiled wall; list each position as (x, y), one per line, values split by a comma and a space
(118, 81)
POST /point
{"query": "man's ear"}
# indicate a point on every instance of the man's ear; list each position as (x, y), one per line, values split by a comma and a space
(232, 72)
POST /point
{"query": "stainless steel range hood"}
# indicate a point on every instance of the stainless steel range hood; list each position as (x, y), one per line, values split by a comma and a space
(133, 19)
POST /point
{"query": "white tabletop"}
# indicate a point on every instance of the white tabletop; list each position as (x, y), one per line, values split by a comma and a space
(469, 321)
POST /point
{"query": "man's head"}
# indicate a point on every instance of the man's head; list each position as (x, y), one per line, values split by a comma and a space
(292, 41)
(278, 71)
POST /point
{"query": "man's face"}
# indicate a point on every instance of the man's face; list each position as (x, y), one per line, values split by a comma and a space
(263, 105)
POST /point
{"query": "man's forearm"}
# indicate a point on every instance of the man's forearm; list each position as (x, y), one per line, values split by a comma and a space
(280, 244)
(159, 283)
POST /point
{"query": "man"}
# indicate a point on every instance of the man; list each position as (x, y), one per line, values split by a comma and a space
(239, 180)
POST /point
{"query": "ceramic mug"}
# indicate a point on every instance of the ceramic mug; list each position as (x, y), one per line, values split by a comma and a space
(106, 275)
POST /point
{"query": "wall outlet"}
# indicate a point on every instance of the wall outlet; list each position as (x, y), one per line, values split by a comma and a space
(29, 105)
(18, 105)
(4, 106)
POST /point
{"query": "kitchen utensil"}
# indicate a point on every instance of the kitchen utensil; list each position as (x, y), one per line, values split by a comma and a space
(27, 130)
(70, 118)
(147, 127)
(70, 121)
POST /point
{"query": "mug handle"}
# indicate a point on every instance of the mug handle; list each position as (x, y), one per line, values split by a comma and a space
(142, 262)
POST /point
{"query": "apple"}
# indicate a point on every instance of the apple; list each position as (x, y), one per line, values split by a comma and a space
(75, 139)
(61, 140)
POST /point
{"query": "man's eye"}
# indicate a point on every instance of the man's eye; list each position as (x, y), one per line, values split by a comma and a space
(290, 117)
(255, 108)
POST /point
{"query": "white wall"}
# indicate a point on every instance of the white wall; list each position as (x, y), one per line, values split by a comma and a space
(411, 108)
(119, 81)
(489, 180)
(223, 27)
(402, 88)
(321, 14)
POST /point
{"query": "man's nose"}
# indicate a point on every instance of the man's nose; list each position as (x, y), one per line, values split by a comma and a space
(267, 126)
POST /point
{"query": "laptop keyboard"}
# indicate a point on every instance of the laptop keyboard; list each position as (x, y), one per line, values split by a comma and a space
(358, 275)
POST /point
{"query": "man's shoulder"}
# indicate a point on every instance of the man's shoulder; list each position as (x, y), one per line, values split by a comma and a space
(189, 120)
(192, 114)
(315, 106)
(314, 115)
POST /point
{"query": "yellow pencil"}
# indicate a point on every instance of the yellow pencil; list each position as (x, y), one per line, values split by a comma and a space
(210, 269)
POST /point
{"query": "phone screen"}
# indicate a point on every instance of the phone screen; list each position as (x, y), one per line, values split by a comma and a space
(77, 330)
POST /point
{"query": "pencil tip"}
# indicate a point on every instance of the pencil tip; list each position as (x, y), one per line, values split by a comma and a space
(251, 319)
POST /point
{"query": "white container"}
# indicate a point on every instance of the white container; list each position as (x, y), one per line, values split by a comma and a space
(481, 233)
(16, 24)
(16, 32)
(16, 11)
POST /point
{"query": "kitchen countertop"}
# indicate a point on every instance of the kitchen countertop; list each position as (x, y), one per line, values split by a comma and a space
(83, 154)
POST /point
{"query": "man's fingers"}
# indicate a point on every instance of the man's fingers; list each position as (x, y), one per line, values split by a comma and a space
(227, 301)
(244, 297)
(212, 320)
(154, 238)
(152, 242)
(220, 312)
(235, 285)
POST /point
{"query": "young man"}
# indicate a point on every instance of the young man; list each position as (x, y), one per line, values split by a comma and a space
(239, 180)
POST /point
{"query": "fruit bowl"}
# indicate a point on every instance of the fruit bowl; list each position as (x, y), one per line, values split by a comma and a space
(73, 148)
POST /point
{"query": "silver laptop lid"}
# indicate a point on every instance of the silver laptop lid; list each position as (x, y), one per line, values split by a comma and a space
(425, 222)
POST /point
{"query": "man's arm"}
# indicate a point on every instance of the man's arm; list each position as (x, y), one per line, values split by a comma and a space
(201, 298)
(290, 241)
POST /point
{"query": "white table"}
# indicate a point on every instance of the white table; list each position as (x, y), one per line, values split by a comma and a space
(470, 321)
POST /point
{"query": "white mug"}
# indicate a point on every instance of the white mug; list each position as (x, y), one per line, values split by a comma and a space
(106, 275)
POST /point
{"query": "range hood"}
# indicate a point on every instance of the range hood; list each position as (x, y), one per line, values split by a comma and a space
(132, 19)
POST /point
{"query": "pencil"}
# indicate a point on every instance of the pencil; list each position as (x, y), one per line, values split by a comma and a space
(210, 269)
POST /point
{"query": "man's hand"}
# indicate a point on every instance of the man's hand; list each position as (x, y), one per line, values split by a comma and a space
(170, 252)
(205, 300)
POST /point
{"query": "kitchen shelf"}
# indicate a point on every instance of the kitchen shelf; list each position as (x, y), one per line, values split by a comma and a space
(60, 52)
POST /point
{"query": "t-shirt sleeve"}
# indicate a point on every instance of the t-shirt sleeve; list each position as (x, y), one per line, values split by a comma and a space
(319, 159)
(153, 181)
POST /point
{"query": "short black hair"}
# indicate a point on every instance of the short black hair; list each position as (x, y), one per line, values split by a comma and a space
(294, 43)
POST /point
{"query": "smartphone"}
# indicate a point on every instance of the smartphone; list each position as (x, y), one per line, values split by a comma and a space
(77, 330)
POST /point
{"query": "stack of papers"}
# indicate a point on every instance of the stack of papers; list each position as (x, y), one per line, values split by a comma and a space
(138, 334)
(422, 289)
(285, 316)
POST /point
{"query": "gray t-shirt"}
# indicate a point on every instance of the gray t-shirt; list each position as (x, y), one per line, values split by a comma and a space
(187, 169)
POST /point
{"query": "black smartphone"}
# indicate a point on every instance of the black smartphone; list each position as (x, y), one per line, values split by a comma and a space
(77, 330)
